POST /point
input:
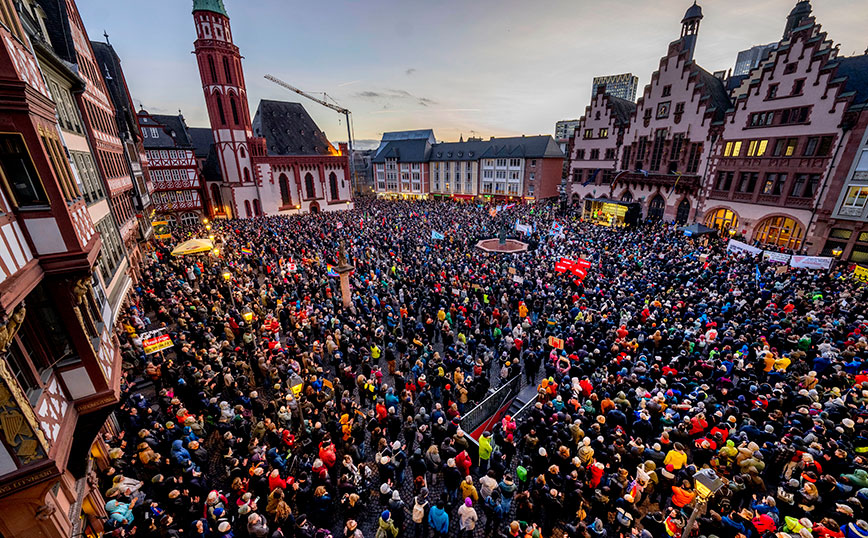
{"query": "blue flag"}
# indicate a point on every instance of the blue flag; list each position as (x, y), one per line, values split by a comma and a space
(757, 276)
(591, 178)
(437, 235)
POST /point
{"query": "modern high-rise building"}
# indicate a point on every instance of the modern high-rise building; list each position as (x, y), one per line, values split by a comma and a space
(564, 129)
(751, 58)
(623, 85)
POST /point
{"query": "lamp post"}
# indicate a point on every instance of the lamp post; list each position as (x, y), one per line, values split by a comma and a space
(836, 254)
(247, 314)
(707, 484)
(227, 276)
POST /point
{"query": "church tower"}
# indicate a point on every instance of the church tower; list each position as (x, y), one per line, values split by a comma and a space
(226, 98)
(690, 28)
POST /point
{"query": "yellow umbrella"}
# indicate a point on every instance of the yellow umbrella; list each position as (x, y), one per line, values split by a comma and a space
(193, 246)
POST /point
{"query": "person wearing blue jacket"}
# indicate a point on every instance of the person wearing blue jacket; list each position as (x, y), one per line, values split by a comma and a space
(438, 518)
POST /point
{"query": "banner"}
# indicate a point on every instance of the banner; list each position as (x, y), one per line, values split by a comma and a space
(810, 262)
(517, 279)
(557, 229)
(742, 248)
(437, 235)
(161, 229)
(523, 228)
(861, 273)
(581, 262)
(776, 257)
(157, 343)
(557, 343)
(580, 272)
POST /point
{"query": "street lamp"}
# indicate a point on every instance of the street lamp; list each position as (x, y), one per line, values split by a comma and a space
(208, 227)
(707, 483)
(247, 314)
(837, 251)
(227, 276)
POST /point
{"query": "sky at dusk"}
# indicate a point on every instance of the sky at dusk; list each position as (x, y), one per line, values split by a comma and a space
(477, 68)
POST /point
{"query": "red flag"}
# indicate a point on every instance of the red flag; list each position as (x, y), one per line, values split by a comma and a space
(583, 263)
(561, 268)
(579, 272)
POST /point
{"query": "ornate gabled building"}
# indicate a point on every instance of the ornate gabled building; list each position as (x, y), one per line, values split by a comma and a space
(173, 166)
(597, 143)
(772, 165)
(59, 361)
(281, 162)
(665, 144)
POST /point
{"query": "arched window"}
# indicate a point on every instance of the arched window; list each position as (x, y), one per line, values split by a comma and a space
(722, 219)
(627, 197)
(243, 153)
(216, 198)
(189, 219)
(256, 209)
(782, 232)
(683, 212)
(246, 174)
(285, 198)
(212, 69)
(226, 70)
(333, 185)
(308, 186)
(247, 208)
(234, 110)
(220, 109)
(656, 208)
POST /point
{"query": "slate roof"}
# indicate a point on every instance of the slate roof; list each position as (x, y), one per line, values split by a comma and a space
(419, 134)
(713, 87)
(202, 138)
(289, 130)
(622, 109)
(855, 68)
(109, 65)
(57, 25)
(166, 127)
(528, 147)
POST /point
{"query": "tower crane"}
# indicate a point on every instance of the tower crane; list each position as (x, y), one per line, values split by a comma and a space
(340, 110)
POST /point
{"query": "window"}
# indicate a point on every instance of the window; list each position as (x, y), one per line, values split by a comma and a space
(610, 154)
(825, 146)
(785, 147)
(798, 86)
(285, 198)
(811, 146)
(595, 154)
(695, 155)
(247, 210)
(220, 109)
(790, 68)
(805, 185)
(641, 148)
(782, 232)
(683, 212)
(747, 181)
(513, 163)
(234, 110)
(841, 233)
(732, 149)
(667, 90)
(856, 197)
(604, 133)
(212, 70)
(724, 181)
(226, 70)
(757, 148)
(657, 149)
(679, 109)
(589, 133)
(626, 156)
(773, 91)
(112, 252)
(309, 186)
(60, 165)
(722, 219)
(246, 174)
(774, 184)
(333, 186)
(794, 115)
(18, 173)
(154, 132)
(580, 154)
(663, 109)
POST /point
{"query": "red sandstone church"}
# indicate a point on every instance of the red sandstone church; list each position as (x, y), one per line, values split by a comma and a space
(279, 163)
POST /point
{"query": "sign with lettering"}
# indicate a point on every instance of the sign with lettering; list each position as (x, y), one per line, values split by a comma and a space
(157, 343)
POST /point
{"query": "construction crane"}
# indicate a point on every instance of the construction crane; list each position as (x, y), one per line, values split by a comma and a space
(340, 110)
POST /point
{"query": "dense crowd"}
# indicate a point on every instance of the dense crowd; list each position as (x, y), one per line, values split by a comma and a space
(278, 412)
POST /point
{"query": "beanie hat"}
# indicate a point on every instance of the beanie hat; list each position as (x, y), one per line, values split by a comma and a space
(385, 515)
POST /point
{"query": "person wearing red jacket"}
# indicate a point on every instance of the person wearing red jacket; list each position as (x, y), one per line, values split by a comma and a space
(327, 453)
(462, 461)
(597, 470)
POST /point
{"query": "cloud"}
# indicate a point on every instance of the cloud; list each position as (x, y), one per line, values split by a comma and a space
(389, 95)
(411, 71)
(350, 83)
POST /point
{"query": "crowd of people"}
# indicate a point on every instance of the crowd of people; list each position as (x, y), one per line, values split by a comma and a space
(697, 393)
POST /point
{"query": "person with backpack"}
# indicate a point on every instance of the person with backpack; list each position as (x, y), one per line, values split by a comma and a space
(420, 509)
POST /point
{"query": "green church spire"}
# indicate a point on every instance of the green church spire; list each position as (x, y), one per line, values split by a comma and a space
(210, 5)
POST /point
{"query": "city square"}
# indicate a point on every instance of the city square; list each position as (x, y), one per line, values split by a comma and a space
(650, 323)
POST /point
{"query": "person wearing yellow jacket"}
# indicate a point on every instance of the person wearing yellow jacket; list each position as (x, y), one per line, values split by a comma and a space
(486, 447)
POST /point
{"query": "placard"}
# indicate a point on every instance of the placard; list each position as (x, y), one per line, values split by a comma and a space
(776, 257)
(861, 273)
(742, 248)
(157, 343)
(517, 279)
(557, 343)
(511, 270)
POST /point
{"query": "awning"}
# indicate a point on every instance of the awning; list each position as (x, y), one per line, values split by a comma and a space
(696, 229)
(193, 246)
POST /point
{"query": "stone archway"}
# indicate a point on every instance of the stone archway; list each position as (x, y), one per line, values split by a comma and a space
(314, 207)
